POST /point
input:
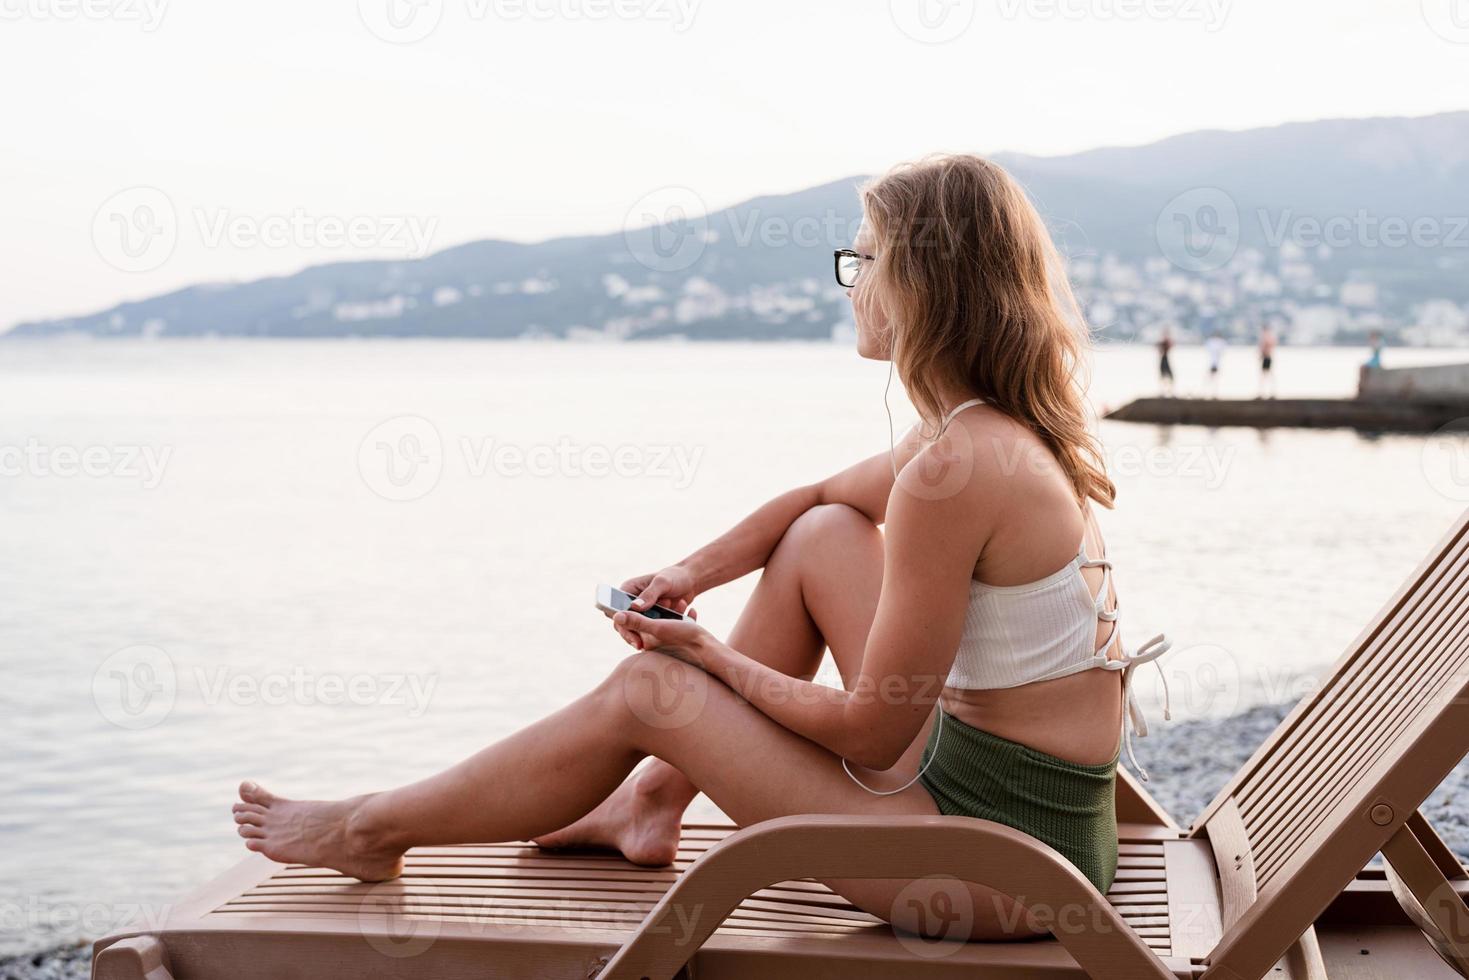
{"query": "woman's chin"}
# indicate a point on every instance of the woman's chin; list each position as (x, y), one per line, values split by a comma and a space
(871, 350)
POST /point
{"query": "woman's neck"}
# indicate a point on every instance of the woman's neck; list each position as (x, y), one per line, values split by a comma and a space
(952, 396)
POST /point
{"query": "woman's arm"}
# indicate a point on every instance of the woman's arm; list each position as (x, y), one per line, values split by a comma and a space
(931, 548)
(748, 545)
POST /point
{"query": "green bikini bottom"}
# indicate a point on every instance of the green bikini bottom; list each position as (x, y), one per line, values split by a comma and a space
(1067, 805)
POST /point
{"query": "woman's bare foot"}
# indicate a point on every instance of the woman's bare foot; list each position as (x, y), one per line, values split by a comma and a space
(642, 819)
(317, 833)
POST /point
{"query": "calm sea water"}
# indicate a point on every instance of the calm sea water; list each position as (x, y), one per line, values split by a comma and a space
(337, 566)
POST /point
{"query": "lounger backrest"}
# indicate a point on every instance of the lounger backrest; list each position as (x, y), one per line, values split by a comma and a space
(1347, 767)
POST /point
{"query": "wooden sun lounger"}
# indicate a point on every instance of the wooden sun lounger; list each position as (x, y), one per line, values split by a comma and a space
(1269, 880)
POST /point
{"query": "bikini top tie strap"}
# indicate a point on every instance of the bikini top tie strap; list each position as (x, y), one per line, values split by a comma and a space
(1100, 603)
(1134, 721)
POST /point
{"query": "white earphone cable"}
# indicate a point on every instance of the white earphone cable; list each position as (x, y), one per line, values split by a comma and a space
(892, 441)
(939, 734)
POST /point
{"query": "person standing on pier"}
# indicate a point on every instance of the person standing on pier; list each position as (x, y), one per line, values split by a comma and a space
(1267, 358)
(1374, 360)
(1214, 349)
(1165, 369)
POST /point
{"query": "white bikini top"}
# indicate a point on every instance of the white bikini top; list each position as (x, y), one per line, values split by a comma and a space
(1020, 634)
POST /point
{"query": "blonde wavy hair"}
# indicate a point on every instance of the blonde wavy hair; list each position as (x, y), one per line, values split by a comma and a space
(976, 298)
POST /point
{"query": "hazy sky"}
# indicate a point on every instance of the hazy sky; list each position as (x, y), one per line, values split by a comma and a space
(266, 131)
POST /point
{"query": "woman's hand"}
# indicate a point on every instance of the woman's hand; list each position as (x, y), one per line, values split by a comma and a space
(673, 588)
(681, 638)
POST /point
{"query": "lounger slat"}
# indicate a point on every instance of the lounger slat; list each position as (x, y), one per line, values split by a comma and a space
(548, 872)
(545, 905)
(1125, 887)
(794, 895)
(774, 901)
(1125, 900)
(550, 911)
(485, 896)
(622, 925)
(1139, 874)
(1146, 861)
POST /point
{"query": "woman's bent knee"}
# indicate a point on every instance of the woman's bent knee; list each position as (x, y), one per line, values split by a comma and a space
(827, 525)
(656, 692)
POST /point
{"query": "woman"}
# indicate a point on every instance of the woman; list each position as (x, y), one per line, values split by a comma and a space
(988, 583)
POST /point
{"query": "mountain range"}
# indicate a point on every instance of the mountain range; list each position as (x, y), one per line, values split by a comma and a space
(762, 269)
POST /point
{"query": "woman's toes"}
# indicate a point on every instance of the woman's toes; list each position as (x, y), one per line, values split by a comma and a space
(254, 844)
(252, 792)
(250, 831)
(249, 817)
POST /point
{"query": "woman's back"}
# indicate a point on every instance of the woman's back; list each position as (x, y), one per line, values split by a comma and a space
(1033, 582)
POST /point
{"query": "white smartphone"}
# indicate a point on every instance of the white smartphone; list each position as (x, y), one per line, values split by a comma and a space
(611, 600)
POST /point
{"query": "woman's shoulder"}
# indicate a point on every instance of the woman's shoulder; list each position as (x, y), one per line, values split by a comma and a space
(983, 457)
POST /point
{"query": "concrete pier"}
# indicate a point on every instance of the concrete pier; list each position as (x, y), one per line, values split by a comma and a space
(1410, 399)
(1363, 414)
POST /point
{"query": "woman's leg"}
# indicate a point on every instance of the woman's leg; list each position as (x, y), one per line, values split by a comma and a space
(548, 774)
(819, 590)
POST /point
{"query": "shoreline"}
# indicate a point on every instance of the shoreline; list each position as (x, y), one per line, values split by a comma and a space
(1189, 762)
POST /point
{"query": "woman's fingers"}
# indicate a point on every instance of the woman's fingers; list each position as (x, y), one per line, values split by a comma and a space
(650, 593)
(629, 636)
(635, 586)
(656, 633)
(650, 630)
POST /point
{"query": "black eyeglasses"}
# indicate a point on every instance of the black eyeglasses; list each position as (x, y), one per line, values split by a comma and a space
(849, 266)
